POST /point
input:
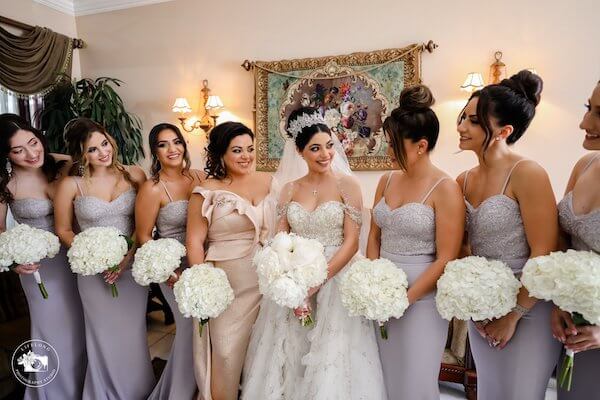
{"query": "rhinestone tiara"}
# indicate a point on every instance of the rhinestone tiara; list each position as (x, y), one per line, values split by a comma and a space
(304, 120)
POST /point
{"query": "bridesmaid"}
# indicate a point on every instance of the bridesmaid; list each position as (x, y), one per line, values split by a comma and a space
(28, 183)
(579, 214)
(511, 216)
(99, 191)
(418, 223)
(162, 202)
(229, 216)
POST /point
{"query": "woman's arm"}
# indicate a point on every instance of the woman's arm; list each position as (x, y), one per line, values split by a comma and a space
(352, 197)
(449, 227)
(147, 206)
(374, 240)
(197, 230)
(533, 191)
(63, 210)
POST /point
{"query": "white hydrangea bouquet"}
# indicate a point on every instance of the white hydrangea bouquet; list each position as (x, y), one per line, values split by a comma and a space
(202, 292)
(475, 288)
(23, 244)
(375, 290)
(157, 260)
(288, 268)
(571, 280)
(96, 250)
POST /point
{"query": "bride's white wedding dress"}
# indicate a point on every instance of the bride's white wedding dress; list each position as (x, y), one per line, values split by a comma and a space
(336, 359)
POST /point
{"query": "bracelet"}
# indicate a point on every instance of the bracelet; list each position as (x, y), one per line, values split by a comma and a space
(519, 309)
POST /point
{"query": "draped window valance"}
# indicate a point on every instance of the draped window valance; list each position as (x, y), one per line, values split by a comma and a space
(32, 63)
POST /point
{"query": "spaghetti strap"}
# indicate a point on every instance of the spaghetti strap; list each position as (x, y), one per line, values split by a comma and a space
(465, 182)
(509, 175)
(167, 191)
(589, 163)
(387, 183)
(432, 189)
(79, 187)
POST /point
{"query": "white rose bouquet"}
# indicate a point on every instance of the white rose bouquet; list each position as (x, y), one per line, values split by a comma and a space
(96, 250)
(24, 244)
(288, 268)
(203, 291)
(375, 290)
(156, 260)
(571, 280)
(476, 288)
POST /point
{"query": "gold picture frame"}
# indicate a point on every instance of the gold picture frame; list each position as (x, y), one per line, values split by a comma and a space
(372, 80)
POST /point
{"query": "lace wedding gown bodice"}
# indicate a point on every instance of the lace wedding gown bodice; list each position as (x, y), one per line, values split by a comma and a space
(336, 359)
(325, 223)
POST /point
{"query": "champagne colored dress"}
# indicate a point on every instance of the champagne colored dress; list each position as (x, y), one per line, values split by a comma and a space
(236, 230)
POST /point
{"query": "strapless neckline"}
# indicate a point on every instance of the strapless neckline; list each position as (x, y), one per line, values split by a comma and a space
(500, 195)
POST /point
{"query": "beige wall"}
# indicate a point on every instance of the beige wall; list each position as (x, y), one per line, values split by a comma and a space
(164, 51)
(32, 13)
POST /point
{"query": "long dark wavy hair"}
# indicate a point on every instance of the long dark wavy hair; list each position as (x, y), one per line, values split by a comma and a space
(153, 142)
(218, 142)
(9, 125)
(77, 133)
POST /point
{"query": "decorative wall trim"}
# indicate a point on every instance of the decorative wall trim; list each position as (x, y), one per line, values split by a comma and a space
(86, 7)
(64, 6)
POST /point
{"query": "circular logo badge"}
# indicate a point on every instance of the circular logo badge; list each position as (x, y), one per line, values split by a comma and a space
(35, 363)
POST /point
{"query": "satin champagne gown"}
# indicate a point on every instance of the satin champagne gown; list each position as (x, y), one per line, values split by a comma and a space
(236, 230)
(584, 230)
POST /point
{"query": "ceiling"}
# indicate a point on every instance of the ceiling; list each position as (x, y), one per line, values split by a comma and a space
(87, 7)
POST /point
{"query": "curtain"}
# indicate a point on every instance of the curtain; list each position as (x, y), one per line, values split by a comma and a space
(32, 63)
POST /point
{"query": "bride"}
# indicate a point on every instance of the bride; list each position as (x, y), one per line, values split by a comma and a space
(337, 358)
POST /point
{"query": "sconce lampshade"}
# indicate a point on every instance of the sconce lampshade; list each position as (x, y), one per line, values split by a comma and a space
(181, 105)
(473, 82)
(213, 102)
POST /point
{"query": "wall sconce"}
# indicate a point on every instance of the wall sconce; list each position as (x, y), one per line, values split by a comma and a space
(497, 69)
(473, 82)
(210, 105)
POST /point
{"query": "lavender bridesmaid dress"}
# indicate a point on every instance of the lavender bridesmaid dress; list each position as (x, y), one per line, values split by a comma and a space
(58, 319)
(585, 235)
(115, 328)
(177, 381)
(522, 369)
(412, 354)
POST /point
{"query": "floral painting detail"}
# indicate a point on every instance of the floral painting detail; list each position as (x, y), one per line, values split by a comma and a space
(354, 94)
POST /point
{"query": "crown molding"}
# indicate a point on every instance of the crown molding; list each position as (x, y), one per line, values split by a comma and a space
(64, 6)
(86, 7)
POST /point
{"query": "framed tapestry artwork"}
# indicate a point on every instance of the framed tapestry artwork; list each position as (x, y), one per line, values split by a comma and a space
(353, 92)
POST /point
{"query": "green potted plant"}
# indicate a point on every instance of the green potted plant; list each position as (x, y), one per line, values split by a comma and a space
(97, 100)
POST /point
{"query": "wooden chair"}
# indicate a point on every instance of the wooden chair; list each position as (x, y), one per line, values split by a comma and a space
(457, 362)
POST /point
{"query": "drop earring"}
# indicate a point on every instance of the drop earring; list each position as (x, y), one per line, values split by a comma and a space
(9, 168)
(81, 169)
